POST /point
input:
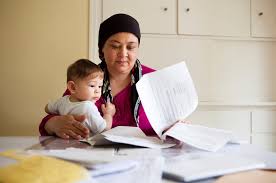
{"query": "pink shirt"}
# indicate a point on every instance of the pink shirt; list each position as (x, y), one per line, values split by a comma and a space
(124, 115)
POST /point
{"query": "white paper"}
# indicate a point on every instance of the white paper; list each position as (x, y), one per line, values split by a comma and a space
(254, 152)
(86, 156)
(167, 95)
(114, 167)
(129, 135)
(201, 137)
(99, 161)
(196, 167)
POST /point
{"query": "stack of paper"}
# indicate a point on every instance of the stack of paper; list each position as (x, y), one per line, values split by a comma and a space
(196, 167)
(201, 137)
(98, 161)
(41, 169)
(167, 95)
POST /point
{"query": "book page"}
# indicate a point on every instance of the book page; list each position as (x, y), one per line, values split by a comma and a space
(167, 95)
(128, 135)
(209, 139)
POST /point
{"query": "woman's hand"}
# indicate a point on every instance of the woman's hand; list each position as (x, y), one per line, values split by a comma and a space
(68, 126)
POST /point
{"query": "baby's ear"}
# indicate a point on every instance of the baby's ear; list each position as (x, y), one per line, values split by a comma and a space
(71, 86)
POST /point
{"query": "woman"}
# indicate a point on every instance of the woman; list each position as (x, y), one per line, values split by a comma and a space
(119, 39)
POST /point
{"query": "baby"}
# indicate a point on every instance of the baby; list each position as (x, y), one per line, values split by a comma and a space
(84, 81)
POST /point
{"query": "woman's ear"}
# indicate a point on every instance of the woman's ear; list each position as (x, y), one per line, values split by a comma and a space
(71, 87)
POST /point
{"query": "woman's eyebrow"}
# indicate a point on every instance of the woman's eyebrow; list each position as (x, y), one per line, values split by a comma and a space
(115, 41)
(132, 42)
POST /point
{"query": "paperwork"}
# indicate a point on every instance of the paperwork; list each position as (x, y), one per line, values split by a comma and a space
(196, 167)
(99, 162)
(30, 169)
(167, 95)
(201, 137)
(127, 135)
(114, 167)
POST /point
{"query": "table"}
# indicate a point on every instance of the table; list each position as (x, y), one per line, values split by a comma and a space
(149, 171)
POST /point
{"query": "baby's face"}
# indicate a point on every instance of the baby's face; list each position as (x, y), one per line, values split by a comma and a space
(89, 88)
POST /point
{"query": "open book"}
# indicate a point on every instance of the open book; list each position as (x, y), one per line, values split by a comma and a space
(127, 135)
(168, 95)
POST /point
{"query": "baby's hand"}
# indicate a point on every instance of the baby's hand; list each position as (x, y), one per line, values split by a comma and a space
(108, 108)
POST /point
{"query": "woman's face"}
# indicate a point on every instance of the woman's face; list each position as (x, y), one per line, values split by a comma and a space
(120, 52)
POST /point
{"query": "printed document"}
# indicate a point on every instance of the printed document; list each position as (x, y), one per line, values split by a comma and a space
(199, 166)
(167, 95)
(127, 135)
(98, 161)
(201, 137)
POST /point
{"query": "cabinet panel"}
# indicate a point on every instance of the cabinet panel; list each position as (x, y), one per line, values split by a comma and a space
(263, 18)
(264, 122)
(226, 71)
(214, 17)
(236, 121)
(265, 141)
(155, 16)
(264, 129)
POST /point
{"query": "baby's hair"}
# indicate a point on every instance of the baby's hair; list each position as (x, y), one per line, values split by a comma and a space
(83, 68)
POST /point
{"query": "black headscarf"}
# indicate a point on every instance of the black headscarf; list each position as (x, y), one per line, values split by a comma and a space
(115, 24)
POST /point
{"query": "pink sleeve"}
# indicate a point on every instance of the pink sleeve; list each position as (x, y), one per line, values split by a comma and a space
(42, 130)
(144, 123)
(146, 69)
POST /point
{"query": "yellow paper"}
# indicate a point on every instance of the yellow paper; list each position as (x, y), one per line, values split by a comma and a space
(15, 154)
(41, 169)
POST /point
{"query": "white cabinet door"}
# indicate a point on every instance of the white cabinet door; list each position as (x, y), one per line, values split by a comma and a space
(264, 122)
(154, 16)
(236, 121)
(214, 17)
(263, 18)
(264, 129)
(264, 141)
